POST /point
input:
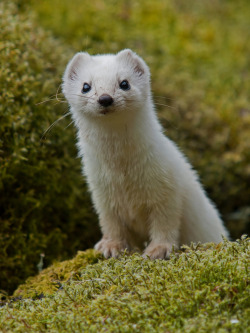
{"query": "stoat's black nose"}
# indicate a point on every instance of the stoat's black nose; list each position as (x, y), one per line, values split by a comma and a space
(105, 100)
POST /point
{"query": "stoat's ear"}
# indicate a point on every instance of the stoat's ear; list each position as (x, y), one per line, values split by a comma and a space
(132, 59)
(74, 65)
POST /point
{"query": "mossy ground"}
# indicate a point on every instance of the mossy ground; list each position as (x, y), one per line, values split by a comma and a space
(204, 288)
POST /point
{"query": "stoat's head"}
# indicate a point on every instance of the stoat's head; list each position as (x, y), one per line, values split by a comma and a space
(103, 85)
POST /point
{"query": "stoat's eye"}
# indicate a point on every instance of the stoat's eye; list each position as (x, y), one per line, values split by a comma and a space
(86, 88)
(124, 85)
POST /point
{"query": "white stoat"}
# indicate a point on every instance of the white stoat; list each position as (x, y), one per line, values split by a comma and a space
(143, 188)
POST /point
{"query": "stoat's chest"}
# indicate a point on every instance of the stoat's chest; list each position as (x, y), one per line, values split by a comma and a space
(127, 178)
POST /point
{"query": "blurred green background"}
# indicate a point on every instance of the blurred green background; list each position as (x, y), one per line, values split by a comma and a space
(198, 53)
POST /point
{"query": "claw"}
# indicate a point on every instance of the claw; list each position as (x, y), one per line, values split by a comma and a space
(110, 248)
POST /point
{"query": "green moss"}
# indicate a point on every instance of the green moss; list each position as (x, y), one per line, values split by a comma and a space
(42, 211)
(202, 289)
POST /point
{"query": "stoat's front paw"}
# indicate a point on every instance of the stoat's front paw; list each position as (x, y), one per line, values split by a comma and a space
(158, 251)
(110, 248)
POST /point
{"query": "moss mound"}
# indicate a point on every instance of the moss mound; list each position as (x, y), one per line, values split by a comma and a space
(202, 289)
(41, 209)
(51, 278)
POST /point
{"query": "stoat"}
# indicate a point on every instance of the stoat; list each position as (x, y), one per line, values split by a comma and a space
(144, 190)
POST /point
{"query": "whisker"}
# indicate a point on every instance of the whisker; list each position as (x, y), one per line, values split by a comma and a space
(60, 102)
(50, 100)
(58, 90)
(86, 97)
(169, 106)
(53, 124)
(69, 124)
(164, 97)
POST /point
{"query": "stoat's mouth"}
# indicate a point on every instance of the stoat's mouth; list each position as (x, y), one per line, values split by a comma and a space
(107, 110)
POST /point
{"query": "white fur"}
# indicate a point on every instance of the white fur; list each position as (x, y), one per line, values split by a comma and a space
(142, 186)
